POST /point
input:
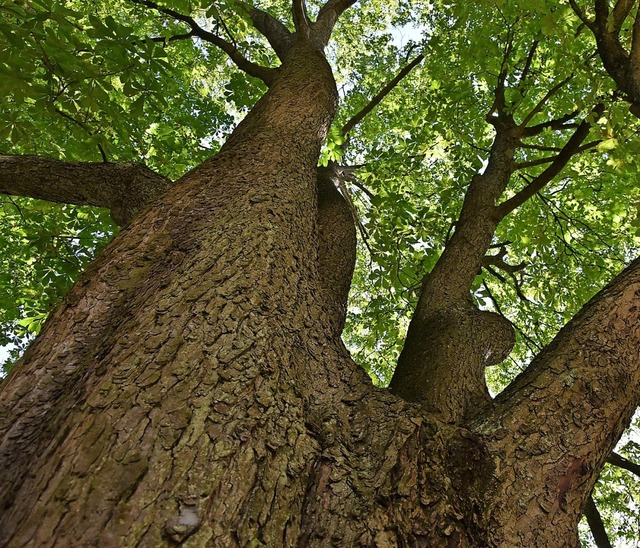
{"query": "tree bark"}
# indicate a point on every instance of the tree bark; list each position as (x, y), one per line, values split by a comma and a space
(125, 189)
(554, 427)
(192, 388)
(450, 342)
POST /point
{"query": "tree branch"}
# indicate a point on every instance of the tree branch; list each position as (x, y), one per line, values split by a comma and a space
(620, 12)
(265, 74)
(535, 110)
(634, 54)
(557, 124)
(554, 400)
(165, 39)
(578, 11)
(602, 11)
(356, 119)
(327, 18)
(560, 161)
(618, 460)
(300, 17)
(125, 189)
(527, 64)
(549, 159)
(277, 34)
(594, 519)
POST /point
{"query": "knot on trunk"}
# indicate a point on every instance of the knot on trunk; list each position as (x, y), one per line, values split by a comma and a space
(443, 368)
(496, 337)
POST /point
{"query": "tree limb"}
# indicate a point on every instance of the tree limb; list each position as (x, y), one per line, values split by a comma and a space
(125, 189)
(599, 347)
(620, 12)
(356, 119)
(571, 148)
(327, 18)
(602, 11)
(528, 62)
(300, 17)
(594, 519)
(276, 33)
(578, 11)
(535, 110)
(634, 54)
(165, 39)
(265, 74)
(549, 159)
(618, 460)
(557, 124)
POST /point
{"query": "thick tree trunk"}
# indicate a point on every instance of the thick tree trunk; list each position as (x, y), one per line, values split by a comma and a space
(192, 387)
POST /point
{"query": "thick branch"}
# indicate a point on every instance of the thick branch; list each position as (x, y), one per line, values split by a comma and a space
(252, 69)
(634, 54)
(327, 18)
(355, 120)
(594, 519)
(274, 31)
(620, 13)
(559, 420)
(336, 247)
(621, 462)
(602, 11)
(560, 161)
(123, 188)
(300, 17)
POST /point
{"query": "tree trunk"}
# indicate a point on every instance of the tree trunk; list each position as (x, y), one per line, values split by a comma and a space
(192, 388)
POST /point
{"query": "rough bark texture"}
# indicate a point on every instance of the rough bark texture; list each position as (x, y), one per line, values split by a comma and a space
(336, 249)
(192, 388)
(450, 342)
(554, 427)
(125, 189)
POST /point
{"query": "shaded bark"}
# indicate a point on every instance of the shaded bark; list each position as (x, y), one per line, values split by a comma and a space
(450, 341)
(125, 189)
(336, 248)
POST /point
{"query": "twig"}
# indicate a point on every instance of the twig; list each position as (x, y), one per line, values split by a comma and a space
(264, 73)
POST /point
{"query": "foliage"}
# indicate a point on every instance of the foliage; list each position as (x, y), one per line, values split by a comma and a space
(95, 81)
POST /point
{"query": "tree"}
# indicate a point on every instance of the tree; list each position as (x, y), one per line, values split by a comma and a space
(193, 387)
